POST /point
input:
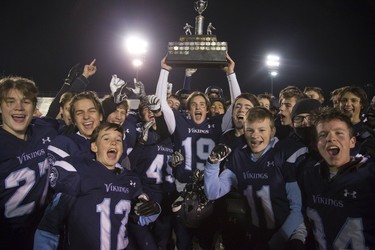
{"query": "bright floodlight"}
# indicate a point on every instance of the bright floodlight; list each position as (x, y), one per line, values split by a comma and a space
(273, 61)
(137, 63)
(273, 73)
(136, 45)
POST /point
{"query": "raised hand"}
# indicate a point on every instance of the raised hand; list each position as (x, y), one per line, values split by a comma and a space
(89, 69)
(153, 103)
(176, 158)
(229, 69)
(146, 128)
(219, 153)
(116, 83)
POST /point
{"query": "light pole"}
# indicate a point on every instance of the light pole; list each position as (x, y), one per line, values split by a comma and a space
(137, 48)
(272, 63)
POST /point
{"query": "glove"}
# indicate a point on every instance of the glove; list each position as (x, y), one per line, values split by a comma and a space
(120, 93)
(74, 72)
(169, 88)
(139, 89)
(154, 103)
(116, 83)
(176, 159)
(190, 71)
(145, 207)
(146, 128)
(219, 153)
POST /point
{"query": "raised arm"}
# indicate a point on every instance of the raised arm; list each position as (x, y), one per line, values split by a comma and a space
(161, 92)
(234, 89)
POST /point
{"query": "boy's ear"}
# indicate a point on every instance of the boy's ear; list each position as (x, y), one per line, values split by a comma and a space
(94, 148)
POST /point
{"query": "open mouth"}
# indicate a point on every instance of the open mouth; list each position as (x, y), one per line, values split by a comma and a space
(198, 115)
(112, 153)
(333, 150)
(240, 117)
(255, 143)
(88, 125)
(19, 118)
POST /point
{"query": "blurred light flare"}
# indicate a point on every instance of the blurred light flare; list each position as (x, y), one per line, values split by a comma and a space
(136, 45)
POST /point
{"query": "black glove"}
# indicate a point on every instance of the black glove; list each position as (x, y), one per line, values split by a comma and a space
(74, 72)
(146, 207)
(120, 94)
(176, 158)
(295, 244)
(219, 153)
(146, 128)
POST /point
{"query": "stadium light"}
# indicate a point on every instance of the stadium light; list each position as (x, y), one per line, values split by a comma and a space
(137, 48)
(273, 64)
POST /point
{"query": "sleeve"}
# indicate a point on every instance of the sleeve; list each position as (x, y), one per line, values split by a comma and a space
(64, 178)
(215, 185)
(161, 92)
(187, 83)
(47, 235)
(294, 219)
(60, 148)
(79, 84)
(145, 220)
(234, 89)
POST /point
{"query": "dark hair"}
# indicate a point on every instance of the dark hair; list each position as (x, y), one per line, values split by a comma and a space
(198, 93)
(327, 114)
(290, 92)
(248, 96)
(90, 95)
(358, 91)
(26, 86)
(105, 126)
(259, 114)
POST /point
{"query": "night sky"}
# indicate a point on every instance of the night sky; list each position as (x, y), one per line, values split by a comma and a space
(321, 43)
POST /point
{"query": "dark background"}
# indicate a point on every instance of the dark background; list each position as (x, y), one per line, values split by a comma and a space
(321, 43)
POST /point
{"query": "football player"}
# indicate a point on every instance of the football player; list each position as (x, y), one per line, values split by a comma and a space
(95, 200)
(265, 177)
(149, 160)
(23, 163)
(339, 191)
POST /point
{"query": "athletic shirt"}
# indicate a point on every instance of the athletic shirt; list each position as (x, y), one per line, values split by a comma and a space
(341, 209)
(263, 183)
(100, 212)
(150, 163)
(195, 141)
(23, 184)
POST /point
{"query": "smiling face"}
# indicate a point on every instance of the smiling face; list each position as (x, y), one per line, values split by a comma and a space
(108, 147)
(335, 142)
(86, 116)
(351, 105)
(258, 135)
(198, 109)
(17, 113)
(118, 116)
(217, 108)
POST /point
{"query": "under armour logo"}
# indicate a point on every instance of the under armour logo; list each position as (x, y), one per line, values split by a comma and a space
(270, 163)
(46, 140)
(127, 131)
(132, 183)
(350, 194)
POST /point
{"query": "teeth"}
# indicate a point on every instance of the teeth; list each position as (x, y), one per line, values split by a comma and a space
(112, 150)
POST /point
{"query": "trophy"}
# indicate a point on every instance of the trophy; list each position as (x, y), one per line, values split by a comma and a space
(198, 50)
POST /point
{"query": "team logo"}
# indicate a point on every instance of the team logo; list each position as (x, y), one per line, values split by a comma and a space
(44, 141)
(53, 176)
(270, 163)
(132, 183)
(350, 194)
